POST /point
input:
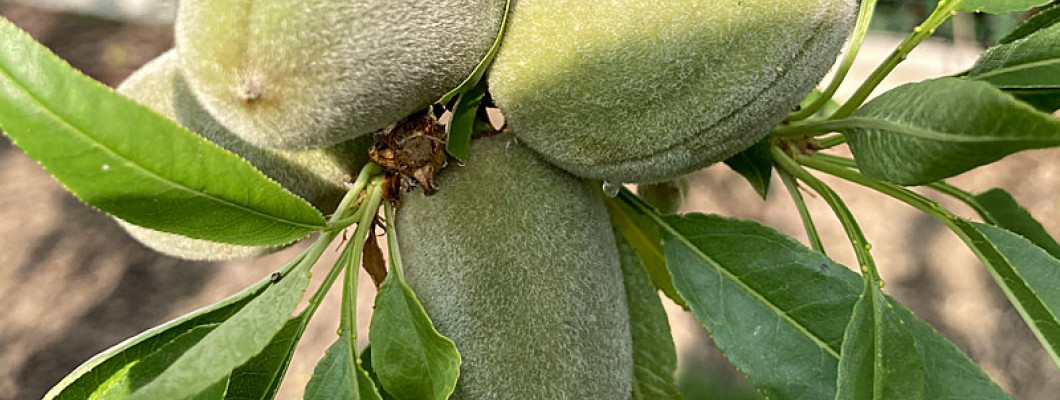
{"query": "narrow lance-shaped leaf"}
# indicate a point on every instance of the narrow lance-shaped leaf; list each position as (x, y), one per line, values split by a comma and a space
(462, 127)
(333, 381)
(113, 364)
(1043, 19)
(260, 378)
(923, 132)
(643, 235)
(129, 162)
(749, 303)
(1045, 100)
(142, 371)
(778, 310)
(412, 360)
(1031, 62)
(1028, 275)
(214, 392)
(366, 363)
(1000, 6)
(480, 70)
(879, 360)
(654, 357)
(756, 165)
(233, 343)
(1003, 211)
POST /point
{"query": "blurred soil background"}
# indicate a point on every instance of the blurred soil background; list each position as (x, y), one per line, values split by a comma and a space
(72, 283)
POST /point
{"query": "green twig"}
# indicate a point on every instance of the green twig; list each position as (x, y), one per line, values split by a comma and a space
(943, 11)
(804, 212)
(831, 141)
(345, 222)
(902, 194)
(868, 9)
(348, 318)
(843, 161)
(370, 171)
(963, 196)
(815, 128)
(392, 243)
(862, 248)
(941, 187)
(364, 228)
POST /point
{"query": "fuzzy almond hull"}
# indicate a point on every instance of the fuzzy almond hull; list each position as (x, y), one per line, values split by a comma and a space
(648, 90)
(516, 262)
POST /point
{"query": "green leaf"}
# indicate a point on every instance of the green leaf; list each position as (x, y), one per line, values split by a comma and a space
(756, 165)
(879, 360)
(1000, 6)
(1031, 62)
(743, 284)
(923, 132)
(234, 342)
(214, 392)
(129, 162)
(480, 70)
(1003, 211)
(260, 378)
(115, 363)
(654, 357)
(1043, 19)
(1045, 100)
(1028, 275)
(412, 360)
(779, 310)
(142, 371)
(643, 235)
(462, 127)
(332, 380)
(366, 363)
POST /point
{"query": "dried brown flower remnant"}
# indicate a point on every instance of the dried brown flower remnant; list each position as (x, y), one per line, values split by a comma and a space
(413, 148)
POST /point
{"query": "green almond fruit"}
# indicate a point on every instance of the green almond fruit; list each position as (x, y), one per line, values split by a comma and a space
(515, 261)
(648, 90)
(319, 176)
(297, 74)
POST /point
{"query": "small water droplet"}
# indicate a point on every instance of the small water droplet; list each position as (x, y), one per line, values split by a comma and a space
(882, 283)
(864, 269)
(868, 246)
(758, 329)
(611, 189)
(105, 167)
(918, 29)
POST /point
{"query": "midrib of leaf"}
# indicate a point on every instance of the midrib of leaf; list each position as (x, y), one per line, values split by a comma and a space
(997, 259)
(480, 69)
(58, 117)
(1015, 68)
(639, 237)
(747, 289)
(877, 343)
(410, 310)
(876, 123)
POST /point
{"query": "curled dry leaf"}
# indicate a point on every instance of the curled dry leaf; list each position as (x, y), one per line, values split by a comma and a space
(372, 260)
